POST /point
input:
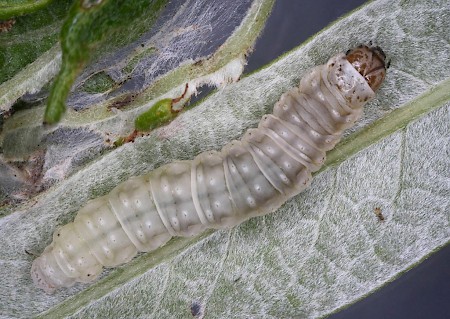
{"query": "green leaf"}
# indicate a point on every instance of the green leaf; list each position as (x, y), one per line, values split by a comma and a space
(15, 8)
(88, 25)
(29, 37)
(325, 248)
(158, 114)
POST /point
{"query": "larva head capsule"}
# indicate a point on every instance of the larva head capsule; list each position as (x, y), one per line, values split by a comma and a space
(370, 62)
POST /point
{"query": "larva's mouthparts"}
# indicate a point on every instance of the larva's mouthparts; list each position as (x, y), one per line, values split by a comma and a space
(370, 62)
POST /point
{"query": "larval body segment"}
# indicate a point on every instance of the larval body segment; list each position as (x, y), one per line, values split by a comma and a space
(246, 178)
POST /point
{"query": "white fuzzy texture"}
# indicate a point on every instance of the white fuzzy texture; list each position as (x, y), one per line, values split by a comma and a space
(227, 74)
(248, 178)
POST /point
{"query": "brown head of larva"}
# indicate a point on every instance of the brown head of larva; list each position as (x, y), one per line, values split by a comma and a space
(370, 62)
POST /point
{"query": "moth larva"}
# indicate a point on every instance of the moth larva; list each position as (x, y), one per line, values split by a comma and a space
(247, 178)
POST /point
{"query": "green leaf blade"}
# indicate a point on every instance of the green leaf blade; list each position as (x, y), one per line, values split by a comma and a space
(11, 8)
(86, 28)
(30, 36)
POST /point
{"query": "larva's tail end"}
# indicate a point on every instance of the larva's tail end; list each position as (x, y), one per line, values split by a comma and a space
(39, 278)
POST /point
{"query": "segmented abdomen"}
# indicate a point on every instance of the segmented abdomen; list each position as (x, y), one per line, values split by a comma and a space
(246, 178)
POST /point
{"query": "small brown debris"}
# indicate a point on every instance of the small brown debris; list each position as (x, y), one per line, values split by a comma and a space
(379, 214)
(6, 25)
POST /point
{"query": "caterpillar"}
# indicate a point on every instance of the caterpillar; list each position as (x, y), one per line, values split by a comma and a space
(247, 178)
